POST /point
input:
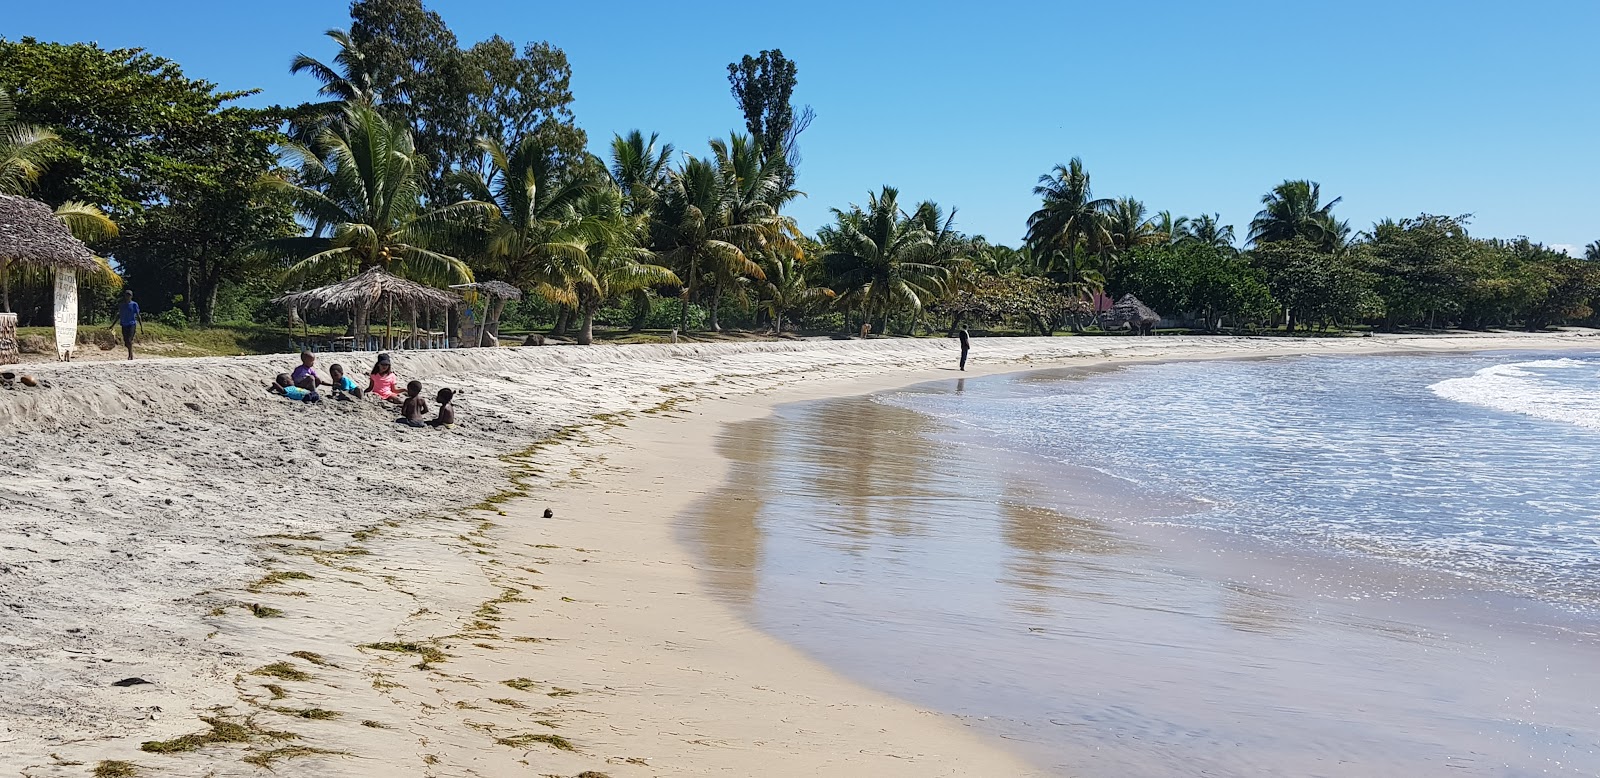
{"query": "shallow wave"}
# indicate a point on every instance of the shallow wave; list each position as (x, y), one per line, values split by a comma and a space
(1529, 389)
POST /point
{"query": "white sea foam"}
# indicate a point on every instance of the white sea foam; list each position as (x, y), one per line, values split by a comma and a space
(1530, 389)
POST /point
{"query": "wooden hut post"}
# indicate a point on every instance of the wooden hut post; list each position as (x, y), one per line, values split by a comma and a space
(412, 309)
(388, 327)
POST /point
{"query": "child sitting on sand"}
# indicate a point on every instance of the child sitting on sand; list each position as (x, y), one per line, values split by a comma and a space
(283, 385)
(447, 410)
(381, 383)
(343, 386)
(305, 376)
(414, 407)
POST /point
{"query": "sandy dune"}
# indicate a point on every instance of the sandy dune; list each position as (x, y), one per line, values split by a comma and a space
(288, 569)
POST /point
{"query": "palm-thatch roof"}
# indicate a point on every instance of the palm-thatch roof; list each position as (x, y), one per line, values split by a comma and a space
(1129, 310)
(371, 290)
(30, 234)
(498, 289)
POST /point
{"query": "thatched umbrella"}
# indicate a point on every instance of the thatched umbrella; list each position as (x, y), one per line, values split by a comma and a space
(496, 294)
(374, 288)
(30, 234)
(1129, 312)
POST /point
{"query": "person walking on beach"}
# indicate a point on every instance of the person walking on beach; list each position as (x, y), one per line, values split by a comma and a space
(966, 345)
(128, 315)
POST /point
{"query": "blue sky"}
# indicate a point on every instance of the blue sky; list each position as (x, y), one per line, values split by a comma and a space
(1400, 107)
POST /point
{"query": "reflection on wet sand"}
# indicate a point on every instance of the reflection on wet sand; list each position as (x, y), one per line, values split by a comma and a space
(1012, 590)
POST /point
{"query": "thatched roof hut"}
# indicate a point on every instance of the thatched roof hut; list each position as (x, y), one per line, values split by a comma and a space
(1130, 313)
(372, 289)
(30, 234)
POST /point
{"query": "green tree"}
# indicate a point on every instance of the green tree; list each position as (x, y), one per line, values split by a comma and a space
(24, 150)
(641, 169)
(692, 229)
(1591, 252)
(1070, 219)
(1208, 230)
(753, 191)
(370, 192)
(1126, 222)
(880, 257)
(1416, 267)
(763, 86)
(526, 94)
(1294, 209)
(1314, 285)
(788, 290)
(417, 66)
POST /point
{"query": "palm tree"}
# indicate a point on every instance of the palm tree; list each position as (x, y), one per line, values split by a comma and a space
(1209, 231)
(24, 150)
(1591, 252)
(692, 230)
(754, 189)
(1070, 218)
(24, 155)
(368, 186)
(1294, 209)
(1128, 226)
(881, 257)
(1175, 228)
(611, 264)
(350, 79)
(639, 169)
(788, 290)
(536, 238)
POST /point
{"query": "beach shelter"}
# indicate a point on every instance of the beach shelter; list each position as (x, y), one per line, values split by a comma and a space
(374, 290)
(494, 294)
(1131, 313)
(32, 237)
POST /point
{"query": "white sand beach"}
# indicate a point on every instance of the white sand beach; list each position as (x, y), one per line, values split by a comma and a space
(338, 595)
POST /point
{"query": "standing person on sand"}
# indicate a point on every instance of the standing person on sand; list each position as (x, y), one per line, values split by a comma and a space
(128, 316)
(966, 345)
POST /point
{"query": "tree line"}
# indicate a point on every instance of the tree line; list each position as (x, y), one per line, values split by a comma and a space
(446, 163)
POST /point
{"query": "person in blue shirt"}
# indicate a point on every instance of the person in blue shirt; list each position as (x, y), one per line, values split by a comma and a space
(128, 315)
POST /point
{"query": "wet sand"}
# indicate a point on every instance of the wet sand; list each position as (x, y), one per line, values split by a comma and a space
(905, 554)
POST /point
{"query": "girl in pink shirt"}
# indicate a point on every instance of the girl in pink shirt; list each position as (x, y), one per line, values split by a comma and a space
(381, 383)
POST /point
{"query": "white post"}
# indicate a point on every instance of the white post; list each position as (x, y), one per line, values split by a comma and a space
(66, 313)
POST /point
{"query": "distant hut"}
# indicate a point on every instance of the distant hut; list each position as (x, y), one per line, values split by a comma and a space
(374, 290)
(1129, 313)
(32, 237)
(495, 295)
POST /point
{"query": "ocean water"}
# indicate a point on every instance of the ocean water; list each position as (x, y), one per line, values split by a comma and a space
(1317, 566)
(1483, 466)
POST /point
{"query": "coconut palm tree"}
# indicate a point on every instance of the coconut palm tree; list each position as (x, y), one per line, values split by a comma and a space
(640, 169)
(1128, 226)
(536, 237)
(1591, 252)
(788, 290)
(880, 257)
(24, 150)
(611, 264)
(350, 79)
(692, 230)
(755, 189)
(24, 155)
(1174, 227)
(1209, 231)
(367, 185)
(1070, 217)
(1294, 209)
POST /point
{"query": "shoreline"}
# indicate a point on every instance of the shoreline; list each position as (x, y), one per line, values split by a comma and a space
(454, 715)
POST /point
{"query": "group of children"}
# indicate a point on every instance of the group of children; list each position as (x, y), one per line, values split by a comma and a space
(382, 383)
